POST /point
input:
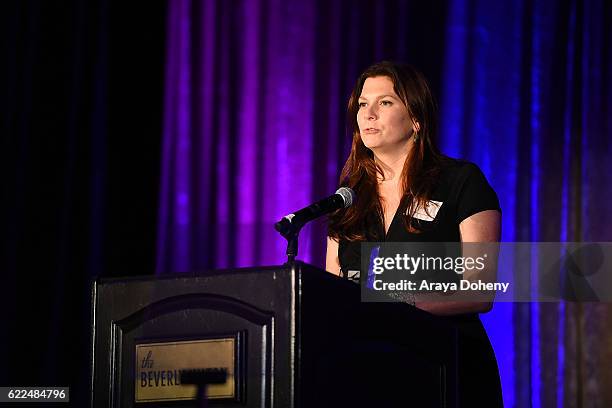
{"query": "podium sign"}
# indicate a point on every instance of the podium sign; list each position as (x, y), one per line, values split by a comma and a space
(158, 366)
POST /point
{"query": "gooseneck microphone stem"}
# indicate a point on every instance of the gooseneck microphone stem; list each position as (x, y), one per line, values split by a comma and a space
(290, 225)
(291, 235)
(292, 249)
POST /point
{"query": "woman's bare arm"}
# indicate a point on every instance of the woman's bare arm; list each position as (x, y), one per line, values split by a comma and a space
(484, 226)
(332, 264)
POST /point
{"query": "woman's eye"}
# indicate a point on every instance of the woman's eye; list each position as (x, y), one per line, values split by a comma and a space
(362, 104)
(386, 103)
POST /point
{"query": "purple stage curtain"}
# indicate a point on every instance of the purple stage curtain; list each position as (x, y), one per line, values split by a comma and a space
(241, 144)
(255, 128)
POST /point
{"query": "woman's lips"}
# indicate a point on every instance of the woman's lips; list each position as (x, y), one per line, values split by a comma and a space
(370, 131)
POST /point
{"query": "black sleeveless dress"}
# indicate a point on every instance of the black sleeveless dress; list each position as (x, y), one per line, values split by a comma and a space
(462, 191)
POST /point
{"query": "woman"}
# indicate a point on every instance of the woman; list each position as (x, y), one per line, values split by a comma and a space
(407, 191)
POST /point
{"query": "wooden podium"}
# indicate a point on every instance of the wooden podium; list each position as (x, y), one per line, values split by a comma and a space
(290, 336)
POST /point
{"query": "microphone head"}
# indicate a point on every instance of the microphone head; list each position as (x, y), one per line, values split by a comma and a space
(348, 196)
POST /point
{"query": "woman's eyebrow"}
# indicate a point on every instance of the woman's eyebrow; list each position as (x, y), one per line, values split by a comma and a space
(379, 97)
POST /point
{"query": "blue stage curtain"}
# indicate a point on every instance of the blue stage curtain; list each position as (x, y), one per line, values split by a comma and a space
(255, 127)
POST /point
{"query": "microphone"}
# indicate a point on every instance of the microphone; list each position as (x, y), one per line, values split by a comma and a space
(292, 223)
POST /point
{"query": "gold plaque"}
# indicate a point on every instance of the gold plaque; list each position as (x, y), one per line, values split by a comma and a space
(158, 366)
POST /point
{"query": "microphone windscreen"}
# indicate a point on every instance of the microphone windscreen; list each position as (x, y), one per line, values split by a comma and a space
(347, 194)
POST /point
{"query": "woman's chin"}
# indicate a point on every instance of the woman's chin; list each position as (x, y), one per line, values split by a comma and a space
(385, 146)
(371, 143)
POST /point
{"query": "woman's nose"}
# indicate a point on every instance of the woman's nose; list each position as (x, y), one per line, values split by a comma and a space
(370, 113)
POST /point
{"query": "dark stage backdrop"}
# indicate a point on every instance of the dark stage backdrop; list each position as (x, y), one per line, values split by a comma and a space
(170, 136)
(254, 128)
(80, 124)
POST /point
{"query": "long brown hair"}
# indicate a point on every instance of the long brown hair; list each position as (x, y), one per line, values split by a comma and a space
(421, 168)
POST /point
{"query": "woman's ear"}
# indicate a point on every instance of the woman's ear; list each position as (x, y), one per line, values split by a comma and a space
(416, 126)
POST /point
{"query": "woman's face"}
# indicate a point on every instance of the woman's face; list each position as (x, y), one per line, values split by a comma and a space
(383, 119)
